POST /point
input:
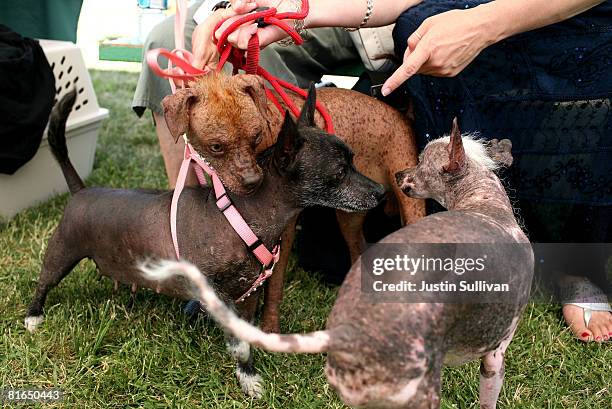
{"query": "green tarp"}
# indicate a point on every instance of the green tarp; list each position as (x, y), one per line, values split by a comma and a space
(49, 19)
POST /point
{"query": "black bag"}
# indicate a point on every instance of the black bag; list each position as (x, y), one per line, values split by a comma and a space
(27, 89)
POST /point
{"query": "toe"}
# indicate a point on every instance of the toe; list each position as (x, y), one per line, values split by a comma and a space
(608, 326)
(600, 325)
(574, 317)
(597, 332)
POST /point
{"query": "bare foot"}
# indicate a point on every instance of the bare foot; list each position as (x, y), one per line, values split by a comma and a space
(599, 328)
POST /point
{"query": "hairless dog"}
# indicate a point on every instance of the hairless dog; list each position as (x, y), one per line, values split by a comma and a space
(117, 228)
(390, 355)
(229, 119)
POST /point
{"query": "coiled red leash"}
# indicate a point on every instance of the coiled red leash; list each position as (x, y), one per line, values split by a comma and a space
(250, 62)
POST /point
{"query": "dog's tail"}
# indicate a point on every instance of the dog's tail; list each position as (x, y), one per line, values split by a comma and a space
(312, 343)
(56, 136)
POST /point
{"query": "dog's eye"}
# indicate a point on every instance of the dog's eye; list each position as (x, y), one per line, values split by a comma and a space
(258, 138)
(341, 173)
(216, 148)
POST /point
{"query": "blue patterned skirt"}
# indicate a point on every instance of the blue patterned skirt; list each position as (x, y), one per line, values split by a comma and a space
(548, 90)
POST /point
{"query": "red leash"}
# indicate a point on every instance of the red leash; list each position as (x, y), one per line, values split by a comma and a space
(250, 62)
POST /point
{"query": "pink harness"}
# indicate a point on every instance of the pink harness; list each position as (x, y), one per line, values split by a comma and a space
(267, 258)
(184, 70)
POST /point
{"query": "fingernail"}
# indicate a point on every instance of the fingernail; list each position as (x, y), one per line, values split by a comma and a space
(385, 91)
(584, 334)
(597, 338)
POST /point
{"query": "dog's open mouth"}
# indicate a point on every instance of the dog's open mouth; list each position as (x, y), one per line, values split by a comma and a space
(357, 207)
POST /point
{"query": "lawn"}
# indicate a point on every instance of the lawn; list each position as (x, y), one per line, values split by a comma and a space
(111, 349)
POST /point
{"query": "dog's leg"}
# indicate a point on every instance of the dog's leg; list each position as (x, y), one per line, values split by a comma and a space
(250, 381)
(492, 374)
(273, 295)
(403, 157)
(57, 264)
(351, 226)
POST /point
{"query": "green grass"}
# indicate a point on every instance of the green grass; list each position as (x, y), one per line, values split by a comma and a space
(107, 349)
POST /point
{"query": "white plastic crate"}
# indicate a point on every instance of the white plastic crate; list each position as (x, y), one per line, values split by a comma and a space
(41, 177)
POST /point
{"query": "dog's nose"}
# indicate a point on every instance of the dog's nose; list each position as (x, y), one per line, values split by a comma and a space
(402, 177)
(251, 182)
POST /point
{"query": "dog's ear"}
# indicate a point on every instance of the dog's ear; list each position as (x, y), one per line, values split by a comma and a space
(177, 108)
(288, 143)
(500, 151)
(253, 86)
(456, 153)
(307, 116)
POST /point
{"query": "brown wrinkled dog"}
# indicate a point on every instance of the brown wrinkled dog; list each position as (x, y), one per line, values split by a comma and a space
(229, 120)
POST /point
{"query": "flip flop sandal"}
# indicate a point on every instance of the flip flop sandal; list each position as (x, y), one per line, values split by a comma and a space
(586, 295)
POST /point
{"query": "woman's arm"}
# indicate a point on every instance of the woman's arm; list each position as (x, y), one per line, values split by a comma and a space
(322, 13)
(446, 43)
(350, 13)
(513, 17)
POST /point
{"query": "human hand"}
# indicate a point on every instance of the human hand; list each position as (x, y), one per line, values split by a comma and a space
(444, 45)
(203, 48)
(267, 35)
(244, 6)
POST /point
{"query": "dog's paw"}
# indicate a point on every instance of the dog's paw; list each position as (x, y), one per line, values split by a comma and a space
(251, 384)
(31, 323)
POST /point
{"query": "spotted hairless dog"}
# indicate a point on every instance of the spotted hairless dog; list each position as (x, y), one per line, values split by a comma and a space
(117, 228)
(390, 355)
(229, 119)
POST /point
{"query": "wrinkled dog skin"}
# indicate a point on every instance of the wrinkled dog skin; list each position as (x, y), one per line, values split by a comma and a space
(390, 355)
(117, 228)
(229, 120)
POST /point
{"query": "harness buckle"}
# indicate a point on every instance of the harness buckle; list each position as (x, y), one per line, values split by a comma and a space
(255, 244)
(224, 205)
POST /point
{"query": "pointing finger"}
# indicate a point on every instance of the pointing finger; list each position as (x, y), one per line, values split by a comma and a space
(411, 66)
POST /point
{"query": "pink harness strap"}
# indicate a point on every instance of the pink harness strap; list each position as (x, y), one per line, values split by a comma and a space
(267, 258)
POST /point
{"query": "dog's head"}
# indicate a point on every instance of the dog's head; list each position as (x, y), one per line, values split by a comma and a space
(225, 119)
(446, 161)
(319, 166)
